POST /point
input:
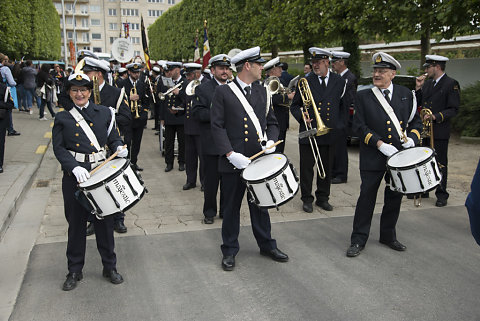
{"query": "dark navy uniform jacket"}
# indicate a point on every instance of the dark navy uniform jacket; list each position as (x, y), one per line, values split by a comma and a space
(201, 105)
(329, 104)
(372, 124)
(143, 103)
(282, 112)
(191, 124)
(109, 96)
(350, 94)
(232, 129)
(172, 101)
(67, 135)
(443, 100)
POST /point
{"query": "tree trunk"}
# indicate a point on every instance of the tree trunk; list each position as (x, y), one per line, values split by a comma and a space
(274, 50)
(350, 42)
(425, 46)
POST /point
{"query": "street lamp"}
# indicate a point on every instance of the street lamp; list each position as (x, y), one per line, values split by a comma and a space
(74, 25)
(64, 35)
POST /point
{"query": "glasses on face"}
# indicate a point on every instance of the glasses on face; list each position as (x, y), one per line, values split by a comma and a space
(81, 90)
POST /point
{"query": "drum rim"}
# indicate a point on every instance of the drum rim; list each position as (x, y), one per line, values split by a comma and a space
(268, 177)
(102, 182)
(414, 165)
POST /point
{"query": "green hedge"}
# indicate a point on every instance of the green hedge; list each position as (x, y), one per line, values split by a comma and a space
(467, 121)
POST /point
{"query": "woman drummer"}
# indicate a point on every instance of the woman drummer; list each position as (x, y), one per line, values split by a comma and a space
(80, 134)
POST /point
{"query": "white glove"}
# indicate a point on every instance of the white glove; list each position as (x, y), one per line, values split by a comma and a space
(81, 174)
(238, 160)
(409, 143)
(267, 149)
(122, 152)
(387, 149)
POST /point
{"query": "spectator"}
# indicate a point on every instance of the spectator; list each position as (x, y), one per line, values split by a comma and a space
(45, 85)
(17, 75)
(7, 78)
(28, 75)
(6, 103)
(285, 77)
(307, 69)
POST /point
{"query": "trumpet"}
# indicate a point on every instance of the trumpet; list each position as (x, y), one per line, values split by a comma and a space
(190, 90)
(169, 92)
(96, 90)
(308, 102)
(427, 130)
(134, 103)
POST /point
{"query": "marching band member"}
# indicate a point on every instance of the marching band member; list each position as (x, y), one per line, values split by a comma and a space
(340, 164)
(193, 148)
(379, 139)
(280, 101)
(201, 105)
(156, 77)
(79, 135)
(327, 89)
(115, 98)
(236, 137)
(122, 74)
(138, 103)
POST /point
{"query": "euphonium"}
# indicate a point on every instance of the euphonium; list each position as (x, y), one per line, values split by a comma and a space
(427, 130)
(134, 103)
(190, 90)
(308, 102)
(96, 91)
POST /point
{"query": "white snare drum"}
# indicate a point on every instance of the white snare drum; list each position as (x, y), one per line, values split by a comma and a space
(114, 188)
(271, 180)
(413, 170)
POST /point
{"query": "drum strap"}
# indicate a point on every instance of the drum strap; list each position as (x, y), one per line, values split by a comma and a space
(120, 99)
(248, 108)
(83, 124)
(389, 110)
(414, 108)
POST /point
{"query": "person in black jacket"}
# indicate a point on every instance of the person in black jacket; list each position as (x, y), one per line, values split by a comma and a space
(6, 105)
(327, 89)
(379, 139)
(77, 154)
(440, 94)
(340, 163)
(45, 85)
(236, 138)
(201, 105)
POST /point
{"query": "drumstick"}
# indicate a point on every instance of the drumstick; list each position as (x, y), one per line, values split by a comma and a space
(106, 161)
(263, 151)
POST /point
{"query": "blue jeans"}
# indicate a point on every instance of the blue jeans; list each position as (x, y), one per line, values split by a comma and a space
(21, 96)
(29, 93)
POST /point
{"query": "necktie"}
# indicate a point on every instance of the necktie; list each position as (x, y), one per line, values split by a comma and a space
(322, 82)
(248, 93)
(386, 92)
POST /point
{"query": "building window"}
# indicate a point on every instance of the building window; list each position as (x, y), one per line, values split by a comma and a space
(135, 39)
(96, 36)
(112, 26)
(93, 9)
(86, 37)
(134, 26)
(69, 20)
(155, 13)
(69, 34)
(112, 39)
(130, 12)
(112, 12)
(85, 22)
(97, 49)
(155, 1)
(136, 53)
(171, 1)
(130, 0)
(58, 6)
(86, 47)
(95, 22)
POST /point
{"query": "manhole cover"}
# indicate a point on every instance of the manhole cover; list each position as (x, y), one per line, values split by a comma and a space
(42, 183)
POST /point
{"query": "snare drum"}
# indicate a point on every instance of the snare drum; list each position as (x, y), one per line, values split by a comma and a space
(271, 180)
(114, 188)
(413, 170)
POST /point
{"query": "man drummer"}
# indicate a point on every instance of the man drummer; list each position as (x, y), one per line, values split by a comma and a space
(236, 137)
(380, 139)
(79, 135)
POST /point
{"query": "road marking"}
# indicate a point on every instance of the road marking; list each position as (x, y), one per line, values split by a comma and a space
(48, 135)
(51, 125)
(41, 149)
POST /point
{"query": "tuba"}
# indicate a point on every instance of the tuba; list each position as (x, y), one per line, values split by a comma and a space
(427, 130)
(134, 104)
(96, 91)
(273, 85)
(190, 90)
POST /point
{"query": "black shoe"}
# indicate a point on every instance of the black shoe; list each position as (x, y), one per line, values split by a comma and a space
(119, 227)
(155, 128)
(189, 186)
(441, 203)
(71, 281)
(1, 169)
(90, 229)
(338, 180)
(168, 168)
(137, 168)
(220, 215)
(354, 250)
(307, 207)
(181, 167)
(228, 263)
(113, 275)
(208, 220)
(394, 245)
(157, 133)
(276, 255)
(325, 205)
(13, 133)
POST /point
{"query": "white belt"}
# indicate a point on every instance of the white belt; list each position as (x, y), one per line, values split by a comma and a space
(89, 158)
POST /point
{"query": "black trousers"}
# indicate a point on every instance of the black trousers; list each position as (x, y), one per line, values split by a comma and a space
(3, 131)
(133, 139)
(156, 114)
(211, 182)
(340, 163)
(281, 136)
(170, 131)
(193, 155)
(308, 169)
(76, 216)
(441, 149)
(234, 190)
(366, 204)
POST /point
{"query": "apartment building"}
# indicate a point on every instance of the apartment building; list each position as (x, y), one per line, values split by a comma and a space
(95, 24)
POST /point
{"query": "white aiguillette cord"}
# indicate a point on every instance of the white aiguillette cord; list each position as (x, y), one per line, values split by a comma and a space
(389, 110)
(248, 108)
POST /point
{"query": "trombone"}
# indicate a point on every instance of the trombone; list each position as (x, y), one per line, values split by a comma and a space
(134, 103)
(310, 133)
(96, 91)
